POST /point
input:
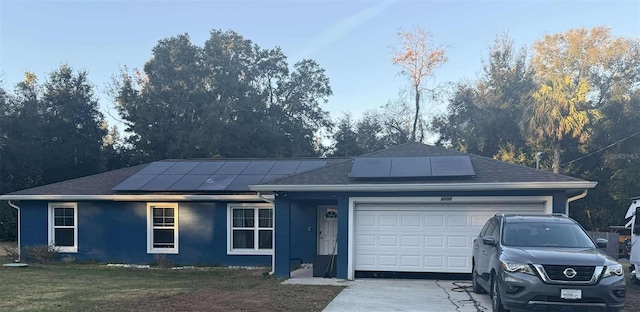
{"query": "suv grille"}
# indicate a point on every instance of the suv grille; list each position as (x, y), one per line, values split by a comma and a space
(556, 273)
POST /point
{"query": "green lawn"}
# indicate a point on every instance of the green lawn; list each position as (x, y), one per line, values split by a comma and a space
(93, 287)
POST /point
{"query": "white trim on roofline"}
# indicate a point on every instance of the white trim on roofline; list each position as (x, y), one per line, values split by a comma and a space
(142, 197)
(429, 186)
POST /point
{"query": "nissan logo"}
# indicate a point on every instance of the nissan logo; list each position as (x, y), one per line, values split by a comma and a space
(570, 272)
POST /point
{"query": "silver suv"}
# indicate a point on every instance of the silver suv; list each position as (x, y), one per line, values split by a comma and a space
(545, 263)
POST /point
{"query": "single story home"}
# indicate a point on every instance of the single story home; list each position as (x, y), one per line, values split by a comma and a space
(409, 208)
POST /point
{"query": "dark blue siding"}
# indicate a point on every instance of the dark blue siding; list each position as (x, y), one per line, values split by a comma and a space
(303, 231)
(33, 230)
(282, 219)
(116, 232)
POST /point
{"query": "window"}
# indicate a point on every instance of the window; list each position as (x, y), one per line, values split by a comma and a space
(63, 226)
(250, 229)
(162, 228)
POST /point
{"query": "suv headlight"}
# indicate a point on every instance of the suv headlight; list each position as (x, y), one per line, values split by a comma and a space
(513, 267)
(613, 270)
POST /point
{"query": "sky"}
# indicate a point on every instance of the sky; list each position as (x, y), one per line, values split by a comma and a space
(351, 40)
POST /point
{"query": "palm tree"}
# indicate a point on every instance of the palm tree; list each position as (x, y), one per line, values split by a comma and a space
(559, 110)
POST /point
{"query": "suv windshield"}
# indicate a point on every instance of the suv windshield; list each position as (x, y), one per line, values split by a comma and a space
(542, 234)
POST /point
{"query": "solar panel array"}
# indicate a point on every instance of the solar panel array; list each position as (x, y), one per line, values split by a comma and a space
(214, 175)
(412, 167)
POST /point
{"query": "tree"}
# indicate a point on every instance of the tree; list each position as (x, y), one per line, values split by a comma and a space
(484, 118)
(560, 110)
(353, 138)
(605, 62)
(418, 57)
(229, 98)
(72, 126)
(579, 72)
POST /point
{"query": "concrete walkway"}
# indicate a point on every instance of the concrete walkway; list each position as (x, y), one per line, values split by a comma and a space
(370, 295)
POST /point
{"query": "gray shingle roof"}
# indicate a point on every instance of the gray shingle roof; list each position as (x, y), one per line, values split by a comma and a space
(336, 172)
(487, 170)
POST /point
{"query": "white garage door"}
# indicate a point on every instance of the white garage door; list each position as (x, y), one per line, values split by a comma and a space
(423, 237)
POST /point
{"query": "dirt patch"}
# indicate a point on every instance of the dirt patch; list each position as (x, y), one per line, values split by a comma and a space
(10, 245)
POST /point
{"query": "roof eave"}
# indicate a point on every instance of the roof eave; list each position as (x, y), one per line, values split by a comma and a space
(139, 197)
(428, 187)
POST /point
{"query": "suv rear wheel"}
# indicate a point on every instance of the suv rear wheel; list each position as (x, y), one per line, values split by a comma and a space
(496, 302)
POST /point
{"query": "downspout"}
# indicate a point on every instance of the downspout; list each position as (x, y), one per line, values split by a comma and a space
(18, 221)
(273, 255)
(574, 198)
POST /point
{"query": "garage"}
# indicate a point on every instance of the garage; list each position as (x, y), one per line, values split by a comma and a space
(407, 235)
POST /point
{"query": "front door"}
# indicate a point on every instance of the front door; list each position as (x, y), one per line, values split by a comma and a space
(327, 230)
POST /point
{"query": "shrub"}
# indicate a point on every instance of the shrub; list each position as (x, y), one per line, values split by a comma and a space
(41, 254)
(163, 262)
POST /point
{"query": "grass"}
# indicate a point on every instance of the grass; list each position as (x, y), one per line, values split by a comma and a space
(93, 287)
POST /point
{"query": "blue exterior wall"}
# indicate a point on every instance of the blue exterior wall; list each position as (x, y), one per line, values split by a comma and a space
(116, 232)
(293, 239)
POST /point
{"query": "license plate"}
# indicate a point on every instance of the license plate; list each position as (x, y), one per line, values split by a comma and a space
(570, 293)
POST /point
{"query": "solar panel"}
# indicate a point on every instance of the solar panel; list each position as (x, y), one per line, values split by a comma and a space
(218, 182)
(410, 167)
(451, 166)
(156, 167)
(161, 182)
(371, 168)
(212, 175)
(271, 177)
(232, 167)
(310, 165)
(242, 182)
(181, 167)
(207, 167)
(134, 182)
(284, 167)
(189, 182)
(258, 167)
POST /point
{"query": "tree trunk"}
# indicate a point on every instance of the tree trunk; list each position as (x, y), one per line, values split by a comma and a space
(415, 117)
(556, 157)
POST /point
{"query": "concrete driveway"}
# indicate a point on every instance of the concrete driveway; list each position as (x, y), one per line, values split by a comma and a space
(381, 294)
(409, 295)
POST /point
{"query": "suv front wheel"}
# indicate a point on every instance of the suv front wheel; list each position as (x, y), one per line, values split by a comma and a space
(496, 301)
(474, 280)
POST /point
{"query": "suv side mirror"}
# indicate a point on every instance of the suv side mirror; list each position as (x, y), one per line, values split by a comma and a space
(489, 240)
(602, 242)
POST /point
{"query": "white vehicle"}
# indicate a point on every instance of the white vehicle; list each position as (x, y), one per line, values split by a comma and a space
(634, 223)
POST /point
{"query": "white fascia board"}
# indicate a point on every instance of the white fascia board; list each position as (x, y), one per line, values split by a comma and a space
(143, 197)
(429, 187)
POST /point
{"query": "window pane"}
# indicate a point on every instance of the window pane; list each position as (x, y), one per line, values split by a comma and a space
(58, 221)
(163, 238)
(157, 212)
(64, 237)
(243, 218)
(168, 212)
(265, 218)
(68, 221)
(58, 212)
(169, 221)
(243, 239)
(158, 221)
(68, 212)
(266, 239)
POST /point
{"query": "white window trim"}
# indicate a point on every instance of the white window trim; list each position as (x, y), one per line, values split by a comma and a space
(51, 232)
(150, 248)
(254, 250)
